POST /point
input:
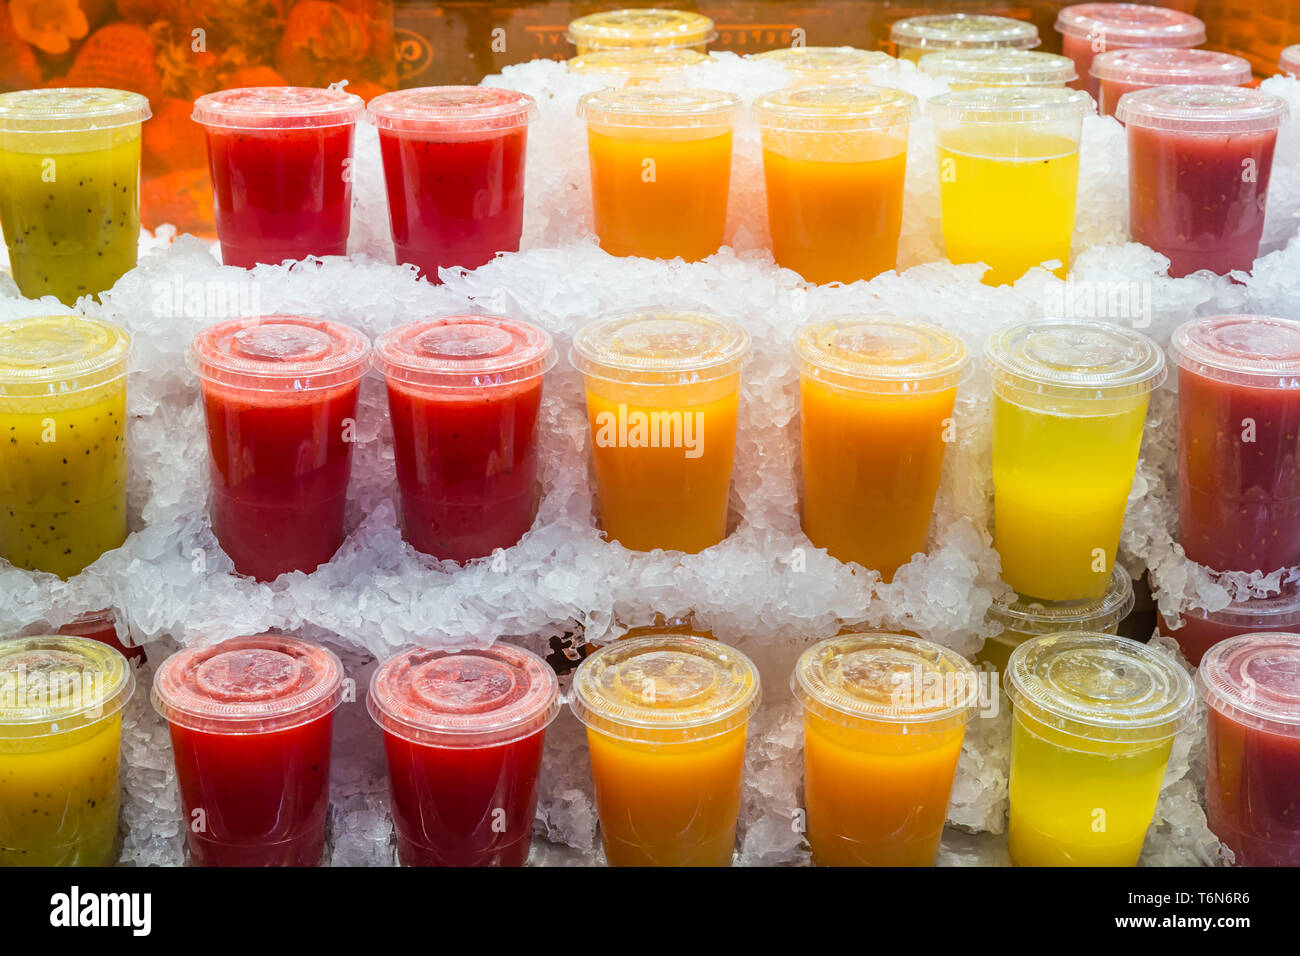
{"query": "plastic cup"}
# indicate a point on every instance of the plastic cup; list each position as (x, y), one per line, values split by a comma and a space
(667, 718)
(61, 701)
(633, 29)
(463, 396)
(1289, 61)
(70, 207)
(884, 717)
(1199, 630)
(101, 626)
(281, 164)
(660, 169)
(280, 398)
(876, 398)
(663, 395)
(1239, 441)
(639, 66)
(1127, 71)
(251, 722)
(1088, 29)
(1199, 165)
(1094, 721)
(972, 69)
(63, 463)
(1009, 175)
(1069, 405)
(828, 65)
(454, 167)
(464, 732)
(1025, 617)
(834, 159)
(1251, 686)
(915, 36)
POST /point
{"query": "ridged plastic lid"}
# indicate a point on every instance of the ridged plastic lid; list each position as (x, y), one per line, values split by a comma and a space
(464, 697)
(248, 685)
(464, 351)
(1027, 615)
(280, 353)
(70, 109)
(1254, 679)
(1008, 67)
(1289, 61)
(1099, 687)
(1004, 105)
(1220, 110)
(955, 31)
(1159, 66)
(1277, 612)
(58, 354)
(882, 355)
(1132, 24)
(641, 107)
(660, 348)
(451, 109)
(823, 63)
(1073, 358)
(665, 688)
(277, 107)
(50, 684)
(649, 27)
(836, 108)
(1255, 350)
(642, 62)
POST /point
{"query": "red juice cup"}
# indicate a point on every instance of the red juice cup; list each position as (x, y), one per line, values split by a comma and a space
(280, 397)
(1127, 71)
(464, 731)
(1088, 29)
(463, 396)
(1251, 686)
(1199, 165)
(251, 720)
(280, 159)
(1239, 441)
(102, 626)
(454, 166)
(1200, 630)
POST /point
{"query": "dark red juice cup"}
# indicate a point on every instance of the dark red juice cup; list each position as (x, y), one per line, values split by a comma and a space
(464, 731)
(463, 396)
(101, 626)
(1127, 71)
(1200, 630)
(1199, 165)
(1088, 29)
(280, 159)
(251, 720)
(280, 396)
(454, 167)
(1239, 441)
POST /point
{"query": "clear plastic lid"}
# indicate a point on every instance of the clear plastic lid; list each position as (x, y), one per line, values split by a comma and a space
(1219, 110)
(1255, 350)
(451, 109)
(277, 107)
(58, 354)
(1132, 24)
(464, 351)
(660, 348)
(956, 31)
(1027, 615)
(1010, 105)
(836, 108)
(1099, 687)
(640, 107)
(51, 684)
(650, 27)
(70, 110)
(1159, 66)
(280, 353)
(248, 685)
(1289, 61)
(643, 62)
(1254, 679)
(882, 355)
(1000, 67)
(823, 62)
(464, 697)
(1277, 612)
(665, 688)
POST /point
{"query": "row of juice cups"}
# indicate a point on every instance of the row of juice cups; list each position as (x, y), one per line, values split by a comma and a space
(884, 716)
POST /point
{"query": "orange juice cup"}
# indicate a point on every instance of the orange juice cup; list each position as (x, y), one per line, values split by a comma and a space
(876, 398)
(667, 718)
(834, 158)
(639, 66)
(660, 169)
(641, 29)
(884, 718)
(663, 393)
(828, 65)
(916, 36)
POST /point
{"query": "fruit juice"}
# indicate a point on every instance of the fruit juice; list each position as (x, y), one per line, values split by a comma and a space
(972, 69)
(280, 159)
(251, 721)
(1289, 61)
(280, 398)
(915, 36)
(828, 65)
(60, 731)
(62, 442)
(662, 401)
(1088, 29)
(464, 732)
(1199, 630)
(463, 396)
(666, 721)
(1127, 71)
(101, 626)
(70, 207)
(884, 718)
(660, 169)
(638, 29)
(1094, 722)
(638, 66)
(876, 399)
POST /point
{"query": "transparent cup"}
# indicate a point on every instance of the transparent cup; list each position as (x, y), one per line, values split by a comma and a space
(1088, 29)
(1127, 71)
(1199, 630)
(972, 69)
(639, 66)
(828, 65)
(913, 37)
(667, 718)
(631, 29)
(1289, 61)
(70, 207)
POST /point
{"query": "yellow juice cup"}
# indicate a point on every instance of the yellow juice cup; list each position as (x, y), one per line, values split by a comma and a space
(663, 395)
(876, 399)
(1069, 405)
(62, 441)
(639, 66)
(828, 65)
(834, 160)
(660, 169)
(61, 701)
(972, 69)
(667, 718)
(884, 717)
(647, 28)
(1095, 718)
(1009, 176)
(913, 37)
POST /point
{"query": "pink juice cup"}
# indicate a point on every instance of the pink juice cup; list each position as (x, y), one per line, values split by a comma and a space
(1088, 29)
(1126, 71)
